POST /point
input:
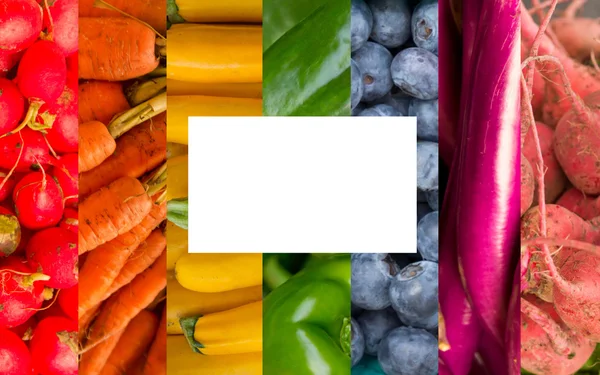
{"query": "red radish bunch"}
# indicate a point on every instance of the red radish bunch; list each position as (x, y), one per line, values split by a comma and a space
(560, 232)
(38, 186)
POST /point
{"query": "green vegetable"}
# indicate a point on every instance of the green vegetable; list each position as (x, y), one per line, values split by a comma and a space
(306, 58)
(306, 321)
(177, 212)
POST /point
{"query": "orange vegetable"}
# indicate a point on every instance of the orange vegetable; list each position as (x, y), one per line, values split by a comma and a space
(100, 101)
(157, 356)
(95, 145)
(93, 361)
(152, 12)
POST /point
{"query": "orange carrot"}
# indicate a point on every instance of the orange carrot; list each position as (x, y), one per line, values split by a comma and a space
(95, 145)
(111, 211)
(134, 342)
(122, 306)
(115, 49)
(152, 12)
(156, 363)
(100, 101)
(138, 151)
(85, 319)
(93, 361)
(141, 258)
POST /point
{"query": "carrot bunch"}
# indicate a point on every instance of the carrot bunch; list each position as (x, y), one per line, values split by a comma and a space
(122, 176)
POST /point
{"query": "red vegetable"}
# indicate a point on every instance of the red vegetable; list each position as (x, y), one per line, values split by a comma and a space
(12, 105)
(25, 330)
(10, 232)
(38, 201)
(6, 185)
(54, 346)
(63, 136)
(70, 220)
(26, 149)
(14, 355)
(8, 59)
(65, 24)
(67, 299)
(53, 251)
(20, 24)
(66, 174)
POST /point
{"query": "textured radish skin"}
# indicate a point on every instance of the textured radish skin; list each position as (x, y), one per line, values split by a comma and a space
(42, 72)
(14, 355)
(7, 188)
(68, 300)
(70, 220)
(527, 185)
(38, 201)
(66, 25)
(53, 252)
(27, 149)
(20, 24)
(12, 106)
(8, 60)
(54, 346)
(66, 173)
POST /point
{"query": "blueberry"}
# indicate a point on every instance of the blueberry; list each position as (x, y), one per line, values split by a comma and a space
(433, 200)
(375, 325)
(415, 71)
(357, 84)
(380, 110)
(421, 196)
(400, 102)
(425, 25)
(358, 109)
(358, 342)
(355, 310)
(427, 166)
(374, 63)
(414, 294)
(427, 236)
(361, 20)
(371, 277)
(426, 112)
(391, 22)
(409, 351)
(422, 210)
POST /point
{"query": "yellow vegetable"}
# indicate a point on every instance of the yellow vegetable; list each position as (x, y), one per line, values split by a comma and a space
(233, 331)
(181, 107)
(232, 90)
(184, 303)
(176, 149)
(213, 273)
(215, 53)
(182, 361)
(220, 11)
(177, 177)
(177, 244)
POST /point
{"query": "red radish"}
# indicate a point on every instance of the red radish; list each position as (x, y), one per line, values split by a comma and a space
(25, 330)
(25, 236)
(70, 220)
(38, 201)
(12, 105)
(6, 185)
(22, 292)
(53, 252)
(73, 70)
(50, 308)
(10, 232)
(64, 136)
(20, 24)
(54, 346)
(66, 173)
(65, 24)
(68, 299)
(14, 355)
(26, 149)
(8, 59)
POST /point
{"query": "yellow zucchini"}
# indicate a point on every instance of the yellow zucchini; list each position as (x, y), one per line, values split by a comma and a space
(176, 149)
(177, 244)
(235, 11)
(231, 90)
(234, 331)
(184, 303)
(182, 361)
(215, 53)
(177, 177)
(182, 107)
(213, 273)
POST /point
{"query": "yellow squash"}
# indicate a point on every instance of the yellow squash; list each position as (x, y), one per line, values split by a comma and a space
(231, 90)
(177, 177)
(182, 361)
(246, 11)
(215, 53)
(181, 107)
(184, 303)
(234, 331)
(213, 273)
(176, 149)
(177, 244)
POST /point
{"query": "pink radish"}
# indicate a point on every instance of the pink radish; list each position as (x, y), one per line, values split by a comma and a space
(54, 346)
(20, 24)
(53, 251)
(12, 105)
(14, 355)
(70, 220)
(27, 150)
(66, 173)
(10, 232)
(68, 300)
(65, 24)
(7, 183)
(38, 201)
(22, 292)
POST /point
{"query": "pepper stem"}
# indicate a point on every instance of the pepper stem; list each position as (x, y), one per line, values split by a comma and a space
(346, 337)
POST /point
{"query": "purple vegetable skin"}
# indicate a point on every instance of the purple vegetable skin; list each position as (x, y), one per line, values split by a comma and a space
(513, 327)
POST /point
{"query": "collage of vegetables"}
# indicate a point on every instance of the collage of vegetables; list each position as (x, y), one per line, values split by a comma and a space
(97, 276)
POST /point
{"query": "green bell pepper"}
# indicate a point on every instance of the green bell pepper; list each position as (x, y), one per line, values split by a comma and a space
(306, 322)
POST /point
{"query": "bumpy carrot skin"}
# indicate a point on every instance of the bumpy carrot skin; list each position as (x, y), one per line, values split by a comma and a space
(95, 145)
(138, 151)
(115, 49)
(111, 211)
(93, 361)
(150, 11)
(101, 101)
(157, 356)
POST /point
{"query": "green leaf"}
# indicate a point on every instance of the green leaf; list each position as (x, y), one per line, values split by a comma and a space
(177, 212)
(306, 66)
